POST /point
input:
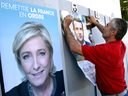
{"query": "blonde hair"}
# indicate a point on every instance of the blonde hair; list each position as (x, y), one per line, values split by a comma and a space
(28, 30)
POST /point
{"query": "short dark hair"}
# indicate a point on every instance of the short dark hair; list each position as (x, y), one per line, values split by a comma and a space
(121, 26)
(78, 20)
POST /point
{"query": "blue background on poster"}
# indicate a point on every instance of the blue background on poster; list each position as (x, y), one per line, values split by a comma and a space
(11, 20)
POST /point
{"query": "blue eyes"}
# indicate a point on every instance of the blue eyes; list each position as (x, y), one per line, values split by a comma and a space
(28, 56)
(42, 53)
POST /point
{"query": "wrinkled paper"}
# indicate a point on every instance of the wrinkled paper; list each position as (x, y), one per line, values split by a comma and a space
(88, 69)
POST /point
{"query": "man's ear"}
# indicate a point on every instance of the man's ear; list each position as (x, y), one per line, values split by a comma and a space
(114, 32)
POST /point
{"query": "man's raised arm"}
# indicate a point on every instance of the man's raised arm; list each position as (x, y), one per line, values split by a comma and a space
(93, 20)
(73, 44)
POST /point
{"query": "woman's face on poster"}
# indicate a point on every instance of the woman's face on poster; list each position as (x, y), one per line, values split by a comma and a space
(35, 60)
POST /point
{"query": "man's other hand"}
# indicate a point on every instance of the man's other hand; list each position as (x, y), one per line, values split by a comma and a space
(67, 20)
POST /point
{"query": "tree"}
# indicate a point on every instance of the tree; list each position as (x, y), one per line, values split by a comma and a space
(124, 9)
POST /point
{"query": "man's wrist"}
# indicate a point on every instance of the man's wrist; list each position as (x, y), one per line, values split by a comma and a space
(96, 22)
(65, 26)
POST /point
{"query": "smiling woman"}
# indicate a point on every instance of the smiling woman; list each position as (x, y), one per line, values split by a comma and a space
(34, 55)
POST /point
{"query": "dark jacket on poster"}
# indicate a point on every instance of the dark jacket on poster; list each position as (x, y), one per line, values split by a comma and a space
(22, 89)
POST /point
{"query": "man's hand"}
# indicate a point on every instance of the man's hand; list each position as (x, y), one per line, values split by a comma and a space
(95, 22)
(92, 19)
(67, 21)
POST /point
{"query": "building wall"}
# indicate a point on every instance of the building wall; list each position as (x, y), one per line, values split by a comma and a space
(77, 84)
(105, 7)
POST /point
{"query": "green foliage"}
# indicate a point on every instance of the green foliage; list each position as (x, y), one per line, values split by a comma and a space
(124, 9)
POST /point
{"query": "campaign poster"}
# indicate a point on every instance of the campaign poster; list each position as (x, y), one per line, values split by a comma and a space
(13, 15)
(79, 30)
(83, 35)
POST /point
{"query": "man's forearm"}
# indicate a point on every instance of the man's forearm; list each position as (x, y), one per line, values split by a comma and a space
(69, 38)
(99, 26)
(73, 44)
